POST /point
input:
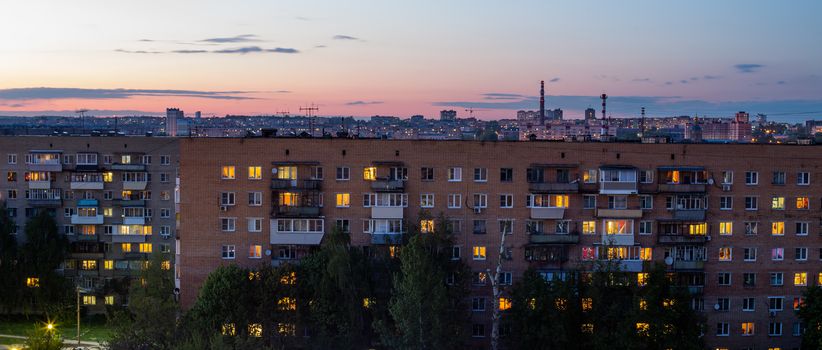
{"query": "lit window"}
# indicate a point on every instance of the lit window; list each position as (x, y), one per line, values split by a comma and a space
(32, 282)
(228, 329)
(369, 173)
(725, 254)
(255, 330)
(125, 247)
(802, 203)
(726, 228)
(561, 303)
(800, 279)
(479, 252)
(643, 304)
(109, 300)
(286, 303)
(228, 172)
(366, 302)
(747, 328)
(427, 226)
(645, 254)
(145, 247)
(289, 278)
(778, 228)
(88, 264)
(343, 200)
(618, 227)
(89, 300)
(778, 203)
(286, 329)
(587, 304)
(561, 201)
(108, 176)
(108, 264)
(255, 172)
(165, 265)
(589, 227)
(504, 304)
(642, 278)
(255, 252)
(698, 229)
(642, 328)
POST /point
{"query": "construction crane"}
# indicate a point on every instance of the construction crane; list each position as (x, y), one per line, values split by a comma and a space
(471, 111)
(82, 114)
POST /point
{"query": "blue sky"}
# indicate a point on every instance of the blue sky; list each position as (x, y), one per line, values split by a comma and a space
(402, 58)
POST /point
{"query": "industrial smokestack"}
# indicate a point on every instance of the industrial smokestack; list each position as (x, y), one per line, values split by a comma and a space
(542, 102)
(603, 97)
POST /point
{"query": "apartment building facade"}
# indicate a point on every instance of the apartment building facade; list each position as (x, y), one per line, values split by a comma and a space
(114, 198)
(738, 225)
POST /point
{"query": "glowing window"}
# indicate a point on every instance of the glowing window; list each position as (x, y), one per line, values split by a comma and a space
(589, 227)
(343, 200)
(645, 254)
(287, 303)
(504, 304)
(255, 330)
(165, 265)
(88, 264)
(561, 303)
(479, 252)
(618, 227)
(642, 278)
(229, 329)
(778, 203)
(108, 176)
(126, 247)
(427, 226)
(587, 328)
(109, 300)
(369, 173)
(800, 279)
(725, 254)
(289, 198)
(289, 278)
(561, 201)
(255, 172)
(778, 228)
(747, 328)
(108, 264)
(228, 172)
(802, 203)
(286, 329)
(587, 304)
(89, 300)
(643, 304)
(642, 328)
(145, 247)
(287, 172)
(366, 302)
(698, 229)
(32, 282)
(726, 228)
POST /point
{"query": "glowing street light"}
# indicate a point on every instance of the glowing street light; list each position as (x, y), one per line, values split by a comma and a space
(50, 326)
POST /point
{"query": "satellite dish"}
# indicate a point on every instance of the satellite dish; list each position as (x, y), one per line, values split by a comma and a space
(669, 261)
(268, 252)
(273, 170)
(710, 181)
(716, 306)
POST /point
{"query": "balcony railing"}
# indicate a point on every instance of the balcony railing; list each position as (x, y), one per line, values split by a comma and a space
(619, 213)
(385, 185)
(296, 211)
(87, 220)
(613, 187)
(689, 215)
(135, 238)
(130, 202)
(682, 239)
(546, 187)
(388, 238)
(547, 213)
(688, 265)
(296, 238)
(554, 239)
(289, 184)
(682, 188)
(387, 212)
(128, 167)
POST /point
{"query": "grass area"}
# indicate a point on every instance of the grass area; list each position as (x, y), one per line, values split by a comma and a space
(11, 341)
(91, 328)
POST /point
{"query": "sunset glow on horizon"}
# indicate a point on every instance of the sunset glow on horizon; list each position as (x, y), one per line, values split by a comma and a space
(389, 58)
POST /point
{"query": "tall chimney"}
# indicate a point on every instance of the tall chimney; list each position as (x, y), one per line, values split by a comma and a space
(542, 102)
(603, 97)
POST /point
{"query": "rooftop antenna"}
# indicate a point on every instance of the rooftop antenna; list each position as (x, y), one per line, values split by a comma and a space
(310, 114)
(642, 123)
(604, 132)
(82, 113)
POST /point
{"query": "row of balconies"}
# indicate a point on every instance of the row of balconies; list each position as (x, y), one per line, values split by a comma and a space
(115, 238)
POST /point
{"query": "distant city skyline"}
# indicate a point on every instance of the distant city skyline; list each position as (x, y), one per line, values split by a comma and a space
(376, 58)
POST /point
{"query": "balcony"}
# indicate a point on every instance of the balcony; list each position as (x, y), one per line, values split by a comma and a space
(385, 185)
(296, 238)
(547, 213)
(45, 198)
(288, 211)
(387, 212)
(631, 265)
(139, 185)
(118, 238)
(46, 202)
(87, 220)
(45, 160)
(87, 185)
(134, 220)
(613, 187)
(682, 188)
(130, 202)
(688, 265)
(620, 213)
(554, 239)
(689, 215)
(135, 256)
(86, 238)
(682, 239)
(289, 184)
(546, 254)
(87, 255)
(545, 187)
(39, 184)
(128, 167)
(386, 238)
(621, 239)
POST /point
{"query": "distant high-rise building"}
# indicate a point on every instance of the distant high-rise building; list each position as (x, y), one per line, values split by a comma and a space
(590, 114)
(556, 114)
(171, 120)
(741, 130)
(197, 115)
(448, 114)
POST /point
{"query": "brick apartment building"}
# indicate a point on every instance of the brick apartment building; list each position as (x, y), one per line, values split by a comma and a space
(739, 225)
(113, 197)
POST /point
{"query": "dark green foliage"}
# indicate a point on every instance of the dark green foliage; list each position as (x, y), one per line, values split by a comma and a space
(41, 255)
(10, 278)
(811, 315)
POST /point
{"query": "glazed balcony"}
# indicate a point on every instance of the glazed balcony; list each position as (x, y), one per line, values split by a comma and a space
(288, 211)
(294, 184)
(619, 213)
(542, 238)
(387, 185)
(682, 239)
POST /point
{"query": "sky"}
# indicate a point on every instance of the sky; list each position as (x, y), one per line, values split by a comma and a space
(401, 58)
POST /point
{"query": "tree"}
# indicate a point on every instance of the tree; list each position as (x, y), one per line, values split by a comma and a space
(427, 313)
(336, 280)
(496, 313)
(41, 255)
(9, 269)
(810, 313)
(42, 338)
(665, 308)
(150, 320)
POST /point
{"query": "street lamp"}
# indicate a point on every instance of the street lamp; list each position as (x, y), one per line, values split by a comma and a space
(50, 326)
